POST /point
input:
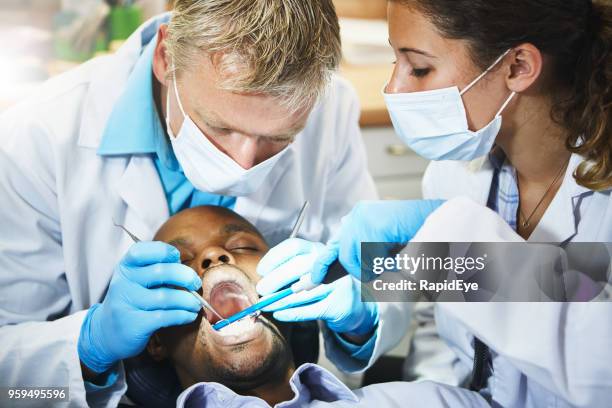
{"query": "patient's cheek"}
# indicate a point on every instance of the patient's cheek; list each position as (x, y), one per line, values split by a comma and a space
(249, 266)
(181, 340)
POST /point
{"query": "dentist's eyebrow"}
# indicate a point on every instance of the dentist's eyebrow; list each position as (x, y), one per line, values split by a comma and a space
(212, 119)
(289, 135)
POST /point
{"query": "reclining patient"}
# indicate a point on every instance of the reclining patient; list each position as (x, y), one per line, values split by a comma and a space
(250, 363)
(249, 360)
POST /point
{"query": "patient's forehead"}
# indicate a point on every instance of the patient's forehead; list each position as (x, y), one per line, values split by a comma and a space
(204, 221)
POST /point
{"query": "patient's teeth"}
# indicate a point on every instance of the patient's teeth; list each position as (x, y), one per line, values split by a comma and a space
(238, 327)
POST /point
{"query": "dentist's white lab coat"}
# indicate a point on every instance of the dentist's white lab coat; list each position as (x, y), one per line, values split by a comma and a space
(544, 354)
(58, 245)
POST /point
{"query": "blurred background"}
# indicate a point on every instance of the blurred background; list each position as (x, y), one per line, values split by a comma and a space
(44, 38)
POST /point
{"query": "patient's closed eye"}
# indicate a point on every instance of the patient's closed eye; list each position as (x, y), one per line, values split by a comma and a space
(245, 248)
(186, 257)
(242, 244)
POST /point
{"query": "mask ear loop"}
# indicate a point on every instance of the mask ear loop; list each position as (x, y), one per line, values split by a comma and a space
(499, 112)
(479, 77)
(178, 99)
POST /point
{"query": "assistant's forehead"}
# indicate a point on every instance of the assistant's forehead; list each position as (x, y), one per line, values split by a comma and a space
(204, 221)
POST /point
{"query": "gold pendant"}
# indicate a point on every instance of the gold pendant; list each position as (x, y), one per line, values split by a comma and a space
(526, 224)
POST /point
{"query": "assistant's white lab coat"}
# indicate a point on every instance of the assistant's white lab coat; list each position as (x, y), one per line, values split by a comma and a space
(544, 354)
(58, 245)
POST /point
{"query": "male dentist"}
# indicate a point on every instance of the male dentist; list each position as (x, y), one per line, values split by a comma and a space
(224, 102)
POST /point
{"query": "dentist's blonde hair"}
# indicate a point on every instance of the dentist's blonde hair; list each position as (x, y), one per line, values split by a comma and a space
(284, 48)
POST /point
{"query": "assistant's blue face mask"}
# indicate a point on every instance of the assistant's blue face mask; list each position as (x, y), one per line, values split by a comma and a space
(434, 123)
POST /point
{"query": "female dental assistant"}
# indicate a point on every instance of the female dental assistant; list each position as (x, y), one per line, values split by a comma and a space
(91, 149)
(512, 100)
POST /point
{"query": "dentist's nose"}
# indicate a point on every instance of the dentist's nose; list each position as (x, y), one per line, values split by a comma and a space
(213, 256)
(245, 154)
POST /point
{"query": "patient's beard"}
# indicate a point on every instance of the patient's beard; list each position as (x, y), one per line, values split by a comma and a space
(273, 368)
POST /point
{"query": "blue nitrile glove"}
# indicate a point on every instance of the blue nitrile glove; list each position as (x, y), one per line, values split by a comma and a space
(286, 263)
(136, 306)
(338, 304)
(372, 221)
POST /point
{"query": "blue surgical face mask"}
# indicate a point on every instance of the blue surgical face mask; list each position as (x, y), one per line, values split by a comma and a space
(434, 123)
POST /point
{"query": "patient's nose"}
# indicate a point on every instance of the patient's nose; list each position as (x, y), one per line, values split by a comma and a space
(214, 256)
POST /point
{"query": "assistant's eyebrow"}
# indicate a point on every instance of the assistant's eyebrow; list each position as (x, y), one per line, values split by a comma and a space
(413, 50)
(416, 51)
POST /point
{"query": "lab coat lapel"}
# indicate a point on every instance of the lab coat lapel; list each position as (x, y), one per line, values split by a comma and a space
(142, 192)
(108, 79)
(560, 221)
(139, 186)
(480, 177)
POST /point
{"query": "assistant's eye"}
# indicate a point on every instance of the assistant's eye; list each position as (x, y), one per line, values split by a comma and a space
(420, 72)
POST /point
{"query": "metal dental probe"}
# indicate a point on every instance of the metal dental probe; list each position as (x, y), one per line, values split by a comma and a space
(300, 220)
(202, 301)
(303, 284)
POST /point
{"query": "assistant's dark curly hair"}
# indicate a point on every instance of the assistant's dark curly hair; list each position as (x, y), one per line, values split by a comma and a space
(575, 34)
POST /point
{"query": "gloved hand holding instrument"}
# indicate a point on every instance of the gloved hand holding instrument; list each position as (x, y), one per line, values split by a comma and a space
(339, 303)
(336, 301)
(139, 301)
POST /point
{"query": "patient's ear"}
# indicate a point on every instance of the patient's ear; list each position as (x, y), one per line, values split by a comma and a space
(156, 348)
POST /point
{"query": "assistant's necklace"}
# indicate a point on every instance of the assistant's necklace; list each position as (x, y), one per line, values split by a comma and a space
(527, 220)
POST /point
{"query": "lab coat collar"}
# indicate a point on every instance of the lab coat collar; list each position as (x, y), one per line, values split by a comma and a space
(560, 221)
(120, 118)
(104, 91)
(110, 75)
(481, 175)
(134, 126)
(131, 128)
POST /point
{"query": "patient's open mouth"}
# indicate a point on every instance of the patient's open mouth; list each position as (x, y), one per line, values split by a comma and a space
(229, 291)
(227, 298)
